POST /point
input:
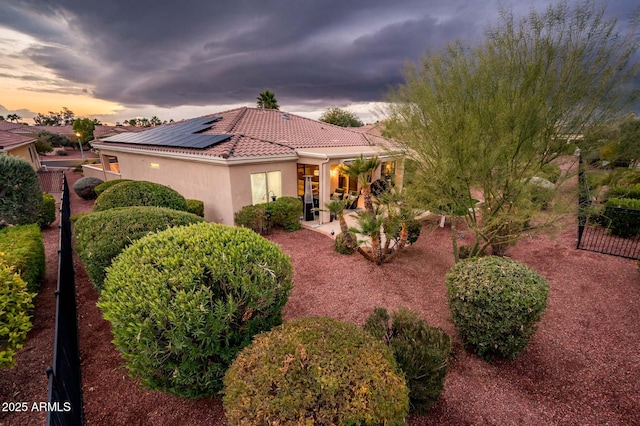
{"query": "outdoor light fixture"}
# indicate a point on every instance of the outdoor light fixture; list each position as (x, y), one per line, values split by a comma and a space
(78, 134)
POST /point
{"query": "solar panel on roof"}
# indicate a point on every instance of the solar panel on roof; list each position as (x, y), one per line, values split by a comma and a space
(185, 134)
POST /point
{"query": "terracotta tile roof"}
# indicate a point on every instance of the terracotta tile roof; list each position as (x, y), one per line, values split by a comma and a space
(101, 131)
(8, 126)
(9, 139)
(258, 132)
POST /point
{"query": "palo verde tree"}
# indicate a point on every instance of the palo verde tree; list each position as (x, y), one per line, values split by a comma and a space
(490, 117)
(267, 100)
(341, 117)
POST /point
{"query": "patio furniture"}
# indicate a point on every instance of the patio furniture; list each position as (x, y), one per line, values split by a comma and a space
(352, 200)
(338, 193)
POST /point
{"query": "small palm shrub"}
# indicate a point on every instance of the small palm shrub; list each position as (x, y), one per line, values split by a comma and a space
(48, 212)
(23, 249)
(108, 184)
(15, 321)
(101, 236)
(183, 302)
(315, 371)
(422, 352)
(340, 245)
(286, 212)
(495, 304)
(85, 187)
(21, 196)
(139, 193)
(196, 207)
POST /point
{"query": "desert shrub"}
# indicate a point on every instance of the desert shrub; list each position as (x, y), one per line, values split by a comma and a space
(341, 246)
(315, 371)
(495, 304)
(415, 228)
(101, 236)
(252, 217)
(541, 191)
(593, 158)
(182, 303)
(48, 212)
(632, 191)
(85, 187)
(43, 146)
(139, 193)
(597, 178)
(286, 212)
(628, 177)
(422, 352)
(622, 222)
(196, 207)
(21, 196)
(550, 172)
(61, 152)
(15, 306)
(23, 249)
(108, 184)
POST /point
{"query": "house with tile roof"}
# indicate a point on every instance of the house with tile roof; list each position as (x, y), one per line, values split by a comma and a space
(19, 145)
(243, 156)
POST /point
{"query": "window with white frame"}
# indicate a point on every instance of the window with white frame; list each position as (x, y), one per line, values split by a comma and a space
(266, 185)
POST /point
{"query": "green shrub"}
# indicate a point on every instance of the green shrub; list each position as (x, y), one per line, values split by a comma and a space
(541, 191)
(286, 212)
(23, 249)
(632, 191)
(495, 304)
(48, 213)
(21, 196)
(341, 246)
(550, 172)
(422, 352)
(315, 371)
(415, 228)
(85, 187)
(182, 303)
(108, 184)
(623, 223)
(15, 322)
(252, 217)
(196, 207)
(139, 193)
(101, 236)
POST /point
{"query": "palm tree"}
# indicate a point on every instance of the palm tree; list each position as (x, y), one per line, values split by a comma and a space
(369, 225)
(13, 117)
(336, 207)
(362, 169)
(267, 100)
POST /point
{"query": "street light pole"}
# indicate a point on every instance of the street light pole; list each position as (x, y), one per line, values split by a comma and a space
(78, 134)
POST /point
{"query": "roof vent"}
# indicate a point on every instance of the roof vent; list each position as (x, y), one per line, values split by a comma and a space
(285, 116)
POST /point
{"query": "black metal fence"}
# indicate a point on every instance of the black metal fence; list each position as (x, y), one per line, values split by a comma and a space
(51, 182)
(594, 226)
(65, 383)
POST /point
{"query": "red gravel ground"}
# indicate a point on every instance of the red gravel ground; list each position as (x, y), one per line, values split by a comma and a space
(581, 368)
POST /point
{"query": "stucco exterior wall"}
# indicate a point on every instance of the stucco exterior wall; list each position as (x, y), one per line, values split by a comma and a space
(240, 178)
(28, 153)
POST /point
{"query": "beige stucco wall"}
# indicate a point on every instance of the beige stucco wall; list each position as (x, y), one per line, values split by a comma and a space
(240, 178)
(24, 153)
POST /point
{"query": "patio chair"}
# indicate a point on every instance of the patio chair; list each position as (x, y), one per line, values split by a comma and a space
(339, 193)
(352, 200)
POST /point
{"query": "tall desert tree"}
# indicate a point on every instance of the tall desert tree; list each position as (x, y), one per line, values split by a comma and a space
(267, 100)
(341, 117)
(489, 117)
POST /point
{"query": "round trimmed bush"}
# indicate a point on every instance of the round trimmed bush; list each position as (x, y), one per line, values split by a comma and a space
(21, 199)
(15, 321)
(315, 371)
(108, 184)
(286, 212)
(182, 303)
(48, 212)
(85, 187)
(139, 193)
(422, 352)
(495, 304)
(101, 236)
(196, 207)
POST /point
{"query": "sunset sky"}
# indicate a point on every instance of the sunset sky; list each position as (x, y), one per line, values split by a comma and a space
(117, 59)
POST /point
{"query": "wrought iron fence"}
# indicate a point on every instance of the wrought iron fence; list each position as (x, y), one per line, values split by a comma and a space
(65, 383)
(597, 227)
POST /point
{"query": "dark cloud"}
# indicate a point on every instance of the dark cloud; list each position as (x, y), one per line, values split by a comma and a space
(194, 52)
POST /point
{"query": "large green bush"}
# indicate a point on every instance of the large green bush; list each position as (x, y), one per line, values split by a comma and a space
(101, 236)
(196, 207)
(23, 249)
(252, 217)
(495, 304)
(182, 303)
(15, 306)
(139, 193)
(632, 191)
(108, 184)
(315, 371)
(422, 352)
(20, 193)
(551, 172)
(85, 187)
(286, 212)
(623, 223)
(48, 212)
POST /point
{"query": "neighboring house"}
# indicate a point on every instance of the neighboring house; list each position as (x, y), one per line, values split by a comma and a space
(19, 145)
(241, 157)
